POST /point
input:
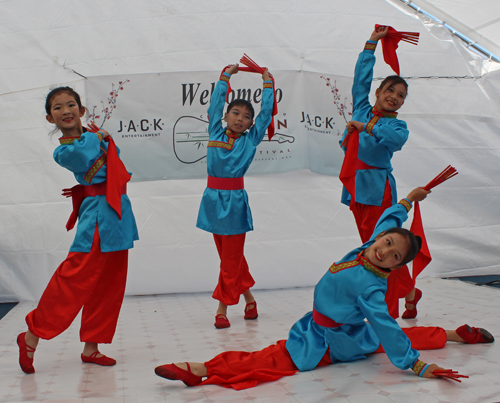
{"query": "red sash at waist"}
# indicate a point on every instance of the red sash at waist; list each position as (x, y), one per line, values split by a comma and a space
(323, 320)
(99, 189)
(361, 165)
(79, 192)
(225, 183)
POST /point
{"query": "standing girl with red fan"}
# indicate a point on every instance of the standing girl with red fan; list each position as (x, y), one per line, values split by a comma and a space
(379, 134)
(224, 209)
(94, 274)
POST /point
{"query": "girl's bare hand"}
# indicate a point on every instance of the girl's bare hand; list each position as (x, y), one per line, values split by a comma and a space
(359, 126)
(429, 372)
(266, 76)
(417, 194)
(232, 69)
(379, 33)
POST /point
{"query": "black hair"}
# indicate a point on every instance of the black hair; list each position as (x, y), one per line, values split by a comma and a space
(56, 91)
(392, 80)
(414, 243)
(242, 102)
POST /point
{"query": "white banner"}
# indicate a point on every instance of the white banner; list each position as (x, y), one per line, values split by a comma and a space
(159, 121)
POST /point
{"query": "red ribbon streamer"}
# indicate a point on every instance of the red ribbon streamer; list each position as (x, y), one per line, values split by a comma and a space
(423, 257)
(348, 171)
(390, 44)
(116, 175)
(77, 195)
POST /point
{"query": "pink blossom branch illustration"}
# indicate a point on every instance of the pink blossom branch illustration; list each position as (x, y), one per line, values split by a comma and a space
(107, 110)
(337, 99)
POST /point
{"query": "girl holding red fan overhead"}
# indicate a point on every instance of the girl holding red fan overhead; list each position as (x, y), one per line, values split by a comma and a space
(224, 209)
(378, 134)
(94, 274)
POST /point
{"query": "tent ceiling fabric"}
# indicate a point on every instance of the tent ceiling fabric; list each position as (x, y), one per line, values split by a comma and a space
(115, 37)
(301, 227)
(479, 20)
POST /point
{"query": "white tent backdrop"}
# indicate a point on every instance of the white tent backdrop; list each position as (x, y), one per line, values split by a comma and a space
(301, 227)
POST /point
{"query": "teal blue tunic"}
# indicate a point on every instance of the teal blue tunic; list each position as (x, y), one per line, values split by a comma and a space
(227, 212)
(115, 234)
(348, 294)
(387, 136)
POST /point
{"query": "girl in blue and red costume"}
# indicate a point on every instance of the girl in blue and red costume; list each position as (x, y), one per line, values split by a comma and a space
(93, 276)
(381, 134)
(224, 209)
(335, 330)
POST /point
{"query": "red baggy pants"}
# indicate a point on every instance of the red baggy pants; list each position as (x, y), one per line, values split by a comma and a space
(95, 281)
(242, 370)
(399, 283)
(234, 278)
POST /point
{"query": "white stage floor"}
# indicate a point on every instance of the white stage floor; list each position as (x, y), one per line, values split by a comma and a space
(155, 330)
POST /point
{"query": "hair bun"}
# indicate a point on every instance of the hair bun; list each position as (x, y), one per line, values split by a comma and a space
(419, 241)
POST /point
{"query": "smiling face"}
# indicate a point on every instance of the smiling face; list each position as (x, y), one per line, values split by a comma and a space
(388, 251)
(239, 119)
(391, 97)
(66, 114)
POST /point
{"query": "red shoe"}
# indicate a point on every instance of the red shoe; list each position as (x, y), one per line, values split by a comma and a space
(25, 362)
(251, 313)
(473, 335)
(104, 361)
(174, 373)
(412, 313)
(221, 321)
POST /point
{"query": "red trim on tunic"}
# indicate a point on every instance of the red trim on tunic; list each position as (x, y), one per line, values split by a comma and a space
(96, 166)
(370, 46)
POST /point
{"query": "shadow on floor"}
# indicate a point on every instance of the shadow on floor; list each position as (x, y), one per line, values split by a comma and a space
(6, 307)
(490, 280)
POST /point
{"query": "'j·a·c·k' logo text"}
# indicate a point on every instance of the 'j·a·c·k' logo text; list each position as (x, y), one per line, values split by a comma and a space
(141, 128)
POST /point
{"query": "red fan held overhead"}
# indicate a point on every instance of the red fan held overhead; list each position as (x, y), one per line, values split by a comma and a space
(423, 257)
(390, 44)
(253, 67)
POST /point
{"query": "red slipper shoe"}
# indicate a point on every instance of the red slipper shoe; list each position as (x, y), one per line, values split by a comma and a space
(412, 313)
(251, 313)
(221, 321)
(104, 361)
(473, 335)
(174, 373)
(25, 362)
